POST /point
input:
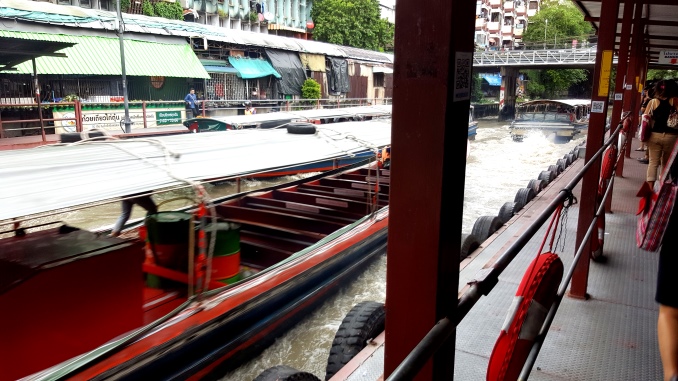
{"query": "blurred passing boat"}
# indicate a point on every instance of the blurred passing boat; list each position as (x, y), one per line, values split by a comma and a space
(282, 119)
(564, 118)
(472, 125)
(197, 290)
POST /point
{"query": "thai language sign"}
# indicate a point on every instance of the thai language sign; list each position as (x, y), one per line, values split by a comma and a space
(668, 57)
(164, 118)
(110, 119)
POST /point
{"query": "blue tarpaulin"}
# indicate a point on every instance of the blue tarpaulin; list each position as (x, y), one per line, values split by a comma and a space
(252, 68)
(492, 79)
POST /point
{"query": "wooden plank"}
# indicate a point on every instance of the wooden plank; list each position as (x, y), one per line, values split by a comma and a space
(284, 221)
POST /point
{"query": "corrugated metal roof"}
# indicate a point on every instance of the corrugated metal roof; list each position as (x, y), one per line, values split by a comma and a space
(103, 20)
(53, 177)
(101, 56)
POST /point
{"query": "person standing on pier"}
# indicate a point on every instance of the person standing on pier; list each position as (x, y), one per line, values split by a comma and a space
(192, 103)
(663, 138)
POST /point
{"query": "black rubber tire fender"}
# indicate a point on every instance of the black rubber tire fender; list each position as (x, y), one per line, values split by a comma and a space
(537, 185)
(571, 157)
(546, 176)
(365, 321)
(507, 211)
(469, 243)
(554, 168)
(301, 128)
(562, 164)
(285, 373)
(485, 226)
(524, 195)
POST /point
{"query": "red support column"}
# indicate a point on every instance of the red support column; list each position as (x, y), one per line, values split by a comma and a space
(620, 83)
(143, 112)
(78, 115)
(594, 140)
(634, 77)
(432, 77)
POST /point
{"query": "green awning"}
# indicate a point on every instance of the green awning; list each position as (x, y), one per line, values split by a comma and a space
(253, 68)
(93, 55)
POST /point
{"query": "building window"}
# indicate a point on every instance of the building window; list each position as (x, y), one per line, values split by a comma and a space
(64, 2)
(85, 4)
(378, 79)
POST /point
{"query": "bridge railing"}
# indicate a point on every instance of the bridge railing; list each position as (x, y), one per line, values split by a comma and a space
(554, 57)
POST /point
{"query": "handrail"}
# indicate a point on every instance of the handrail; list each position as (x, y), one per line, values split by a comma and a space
(536, 346)
(487, 278)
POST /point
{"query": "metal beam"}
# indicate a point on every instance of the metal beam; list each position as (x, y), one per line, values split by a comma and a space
(32, 53)
(670, 38)
(643, 21)
(649, 2)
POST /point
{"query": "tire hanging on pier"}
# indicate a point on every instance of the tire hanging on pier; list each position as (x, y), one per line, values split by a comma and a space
(285, 373)
(364, 322)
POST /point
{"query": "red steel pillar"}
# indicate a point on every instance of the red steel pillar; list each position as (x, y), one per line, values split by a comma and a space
(635, 77)
(620, 83)
(594, 140)
(431, 100)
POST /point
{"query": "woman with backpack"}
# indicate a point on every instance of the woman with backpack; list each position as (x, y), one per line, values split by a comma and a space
(663, 136)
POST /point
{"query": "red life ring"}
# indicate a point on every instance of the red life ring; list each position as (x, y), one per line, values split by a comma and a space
(536, 293)
(606, 171)
(609, 160)
(626, 126)
(598, 242)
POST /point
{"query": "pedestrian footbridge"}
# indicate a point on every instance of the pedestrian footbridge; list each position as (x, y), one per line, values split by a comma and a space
(537, 59)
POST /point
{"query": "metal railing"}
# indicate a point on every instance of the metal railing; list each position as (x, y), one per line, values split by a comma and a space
(549, 57)
(486, 279)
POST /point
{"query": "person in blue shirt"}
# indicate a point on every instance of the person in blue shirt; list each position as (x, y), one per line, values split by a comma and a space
(192, 103)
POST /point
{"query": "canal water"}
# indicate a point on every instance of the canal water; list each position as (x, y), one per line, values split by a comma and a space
(496, 168)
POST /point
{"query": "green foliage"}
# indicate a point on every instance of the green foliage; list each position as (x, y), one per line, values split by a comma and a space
(70, 98)
(222, 14)
(253, 16)
(476, 89)
(124, 5)
(553, 83)
(310, 89)
(147, 8)
(172, 11)
(354, 23)
(656, 74)
(565, 23)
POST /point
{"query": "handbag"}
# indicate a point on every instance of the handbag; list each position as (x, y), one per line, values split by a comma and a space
(672, 121)
(645, 129)
(655, 207)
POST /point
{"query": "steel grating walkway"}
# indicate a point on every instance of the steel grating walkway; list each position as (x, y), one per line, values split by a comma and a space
(611, 336)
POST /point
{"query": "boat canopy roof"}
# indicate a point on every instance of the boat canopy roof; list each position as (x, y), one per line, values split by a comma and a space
(346, 112)
(51, 178)
(564, 102)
